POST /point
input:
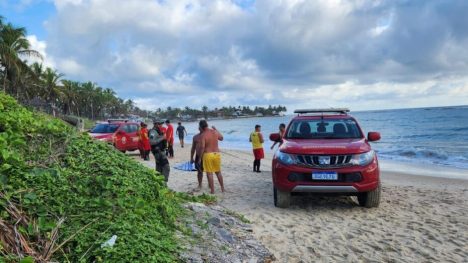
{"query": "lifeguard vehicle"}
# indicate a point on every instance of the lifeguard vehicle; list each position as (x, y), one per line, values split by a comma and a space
(326, 151)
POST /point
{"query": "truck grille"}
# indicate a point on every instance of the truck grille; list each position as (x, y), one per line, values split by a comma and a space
(324, 161)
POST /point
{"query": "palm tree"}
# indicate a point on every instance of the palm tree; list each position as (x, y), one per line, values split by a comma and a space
(37, 69)
(89, 97)
(52, 92)
(205, 111)
(109, 101)
(13, 46)
(70, 90)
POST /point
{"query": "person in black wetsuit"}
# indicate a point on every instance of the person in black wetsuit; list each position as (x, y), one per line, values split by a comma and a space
(181, 132)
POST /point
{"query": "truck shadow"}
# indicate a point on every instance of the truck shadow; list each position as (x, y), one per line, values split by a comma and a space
(329, 201)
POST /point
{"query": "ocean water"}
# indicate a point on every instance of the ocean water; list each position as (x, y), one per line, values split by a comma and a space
(423, 136)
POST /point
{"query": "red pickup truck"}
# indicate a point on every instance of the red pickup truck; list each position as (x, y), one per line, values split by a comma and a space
(120, 133)
(325, 151)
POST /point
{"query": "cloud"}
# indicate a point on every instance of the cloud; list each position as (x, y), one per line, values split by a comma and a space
(361, 54)
(39, 46)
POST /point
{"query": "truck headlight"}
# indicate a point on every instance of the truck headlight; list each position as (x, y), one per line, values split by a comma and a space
(285, 158)
(363, 158)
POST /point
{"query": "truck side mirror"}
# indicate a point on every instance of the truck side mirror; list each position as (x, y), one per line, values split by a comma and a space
(373, 136)
(275, 137)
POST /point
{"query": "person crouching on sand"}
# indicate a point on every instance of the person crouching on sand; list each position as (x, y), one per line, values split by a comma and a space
(282, 131)
(256, 138)
(211, 155)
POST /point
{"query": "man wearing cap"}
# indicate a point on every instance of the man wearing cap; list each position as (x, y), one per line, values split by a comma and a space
(158, 147)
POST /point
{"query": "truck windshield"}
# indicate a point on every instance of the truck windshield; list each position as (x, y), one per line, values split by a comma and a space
(324, 129)
(105, 128)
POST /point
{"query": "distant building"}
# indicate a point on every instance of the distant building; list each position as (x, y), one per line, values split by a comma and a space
(186, 117)
(237, 113)
(219, 114)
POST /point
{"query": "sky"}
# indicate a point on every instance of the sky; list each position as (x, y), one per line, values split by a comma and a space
(361, 54)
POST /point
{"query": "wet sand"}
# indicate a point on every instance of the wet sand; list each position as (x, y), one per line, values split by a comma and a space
(420, 218)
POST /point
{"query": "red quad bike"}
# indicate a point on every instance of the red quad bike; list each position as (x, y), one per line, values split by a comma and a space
(120, 133)
(325, 151)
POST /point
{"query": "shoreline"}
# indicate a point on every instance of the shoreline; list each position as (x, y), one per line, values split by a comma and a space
(426, 170)
(229, 118)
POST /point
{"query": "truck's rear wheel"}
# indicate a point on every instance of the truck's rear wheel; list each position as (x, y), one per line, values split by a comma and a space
(370, 199)
(281, 199)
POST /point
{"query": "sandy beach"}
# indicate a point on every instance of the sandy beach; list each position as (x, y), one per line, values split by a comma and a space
(420, 218)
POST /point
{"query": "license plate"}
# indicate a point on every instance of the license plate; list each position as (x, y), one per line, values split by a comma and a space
(331, 176)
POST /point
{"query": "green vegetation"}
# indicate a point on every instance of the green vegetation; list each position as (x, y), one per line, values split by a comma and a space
(62, 195)
(203, 198)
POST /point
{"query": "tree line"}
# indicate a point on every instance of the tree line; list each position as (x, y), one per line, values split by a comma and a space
(223, 112)
(46, 89)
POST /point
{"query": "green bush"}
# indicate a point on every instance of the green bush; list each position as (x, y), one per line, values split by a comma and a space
(70, 194)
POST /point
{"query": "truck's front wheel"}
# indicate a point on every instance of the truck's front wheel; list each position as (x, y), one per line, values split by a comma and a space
(122, 151)
(281, 199)
(370, 199)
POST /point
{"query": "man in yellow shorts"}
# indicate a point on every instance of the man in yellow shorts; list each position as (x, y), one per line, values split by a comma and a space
(211, 154)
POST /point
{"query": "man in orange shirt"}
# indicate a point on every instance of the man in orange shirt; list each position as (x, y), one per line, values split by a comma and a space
(144, 143)
(170, 139)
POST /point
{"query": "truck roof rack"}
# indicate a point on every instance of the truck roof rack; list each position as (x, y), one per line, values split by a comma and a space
(117, 120)
(322, 111)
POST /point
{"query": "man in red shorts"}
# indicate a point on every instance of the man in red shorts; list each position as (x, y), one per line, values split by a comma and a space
(256, 138)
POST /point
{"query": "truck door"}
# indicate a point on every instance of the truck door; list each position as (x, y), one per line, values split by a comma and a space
(133, 134)
(122, 139)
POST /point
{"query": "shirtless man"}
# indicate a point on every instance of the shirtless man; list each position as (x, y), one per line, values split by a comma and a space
(196, 150)
(211, 155)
